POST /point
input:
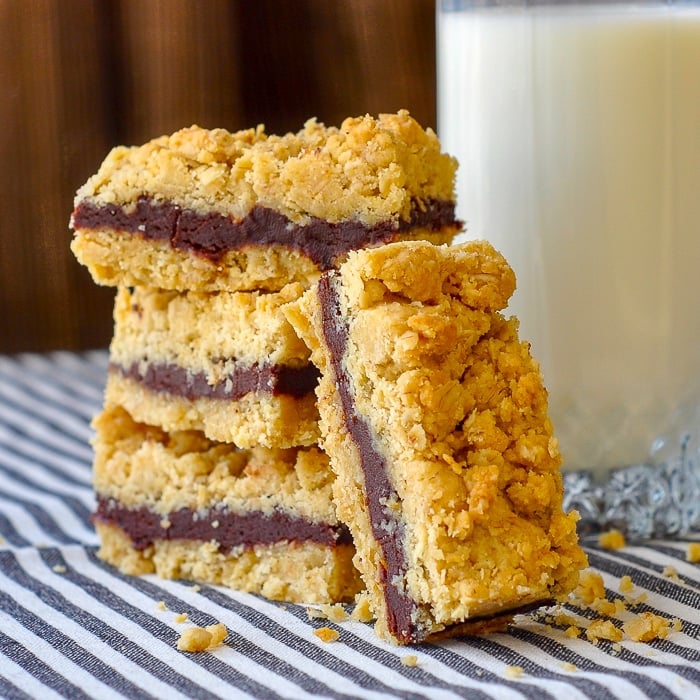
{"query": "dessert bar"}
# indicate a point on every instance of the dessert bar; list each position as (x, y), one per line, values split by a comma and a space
(434, 416)
(226, 363)
(207, 209)
(186, 507)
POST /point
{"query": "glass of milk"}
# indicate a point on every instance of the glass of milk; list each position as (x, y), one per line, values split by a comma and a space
(577, 130)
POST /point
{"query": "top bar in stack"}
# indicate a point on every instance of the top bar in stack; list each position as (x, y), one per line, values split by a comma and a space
(206, 210)
(434, 416)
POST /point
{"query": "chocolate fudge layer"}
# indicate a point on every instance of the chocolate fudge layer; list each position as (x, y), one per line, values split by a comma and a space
(208, 210)
(434, 416)
(226, 363)
(183, 506)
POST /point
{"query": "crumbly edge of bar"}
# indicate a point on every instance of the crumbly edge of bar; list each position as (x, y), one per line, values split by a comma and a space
(295, 573)
(368, 169)
(141, 465)
(121, 258)
(472, 273)
(117, 258)
(212, 333)
(462, 492)
(251, 421)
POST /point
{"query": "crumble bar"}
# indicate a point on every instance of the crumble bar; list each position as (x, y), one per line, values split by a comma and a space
(434, 416)
(206, 209)
(186, 507)
(226, 363)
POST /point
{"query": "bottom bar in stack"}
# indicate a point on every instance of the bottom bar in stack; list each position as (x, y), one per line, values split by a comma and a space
(183, 506)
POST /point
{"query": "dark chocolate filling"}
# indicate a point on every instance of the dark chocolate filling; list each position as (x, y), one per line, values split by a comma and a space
(227, 528)
(212, 235)
(178, 381)
(387, 527)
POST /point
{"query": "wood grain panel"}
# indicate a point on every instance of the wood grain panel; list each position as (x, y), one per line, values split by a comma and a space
(79, 76)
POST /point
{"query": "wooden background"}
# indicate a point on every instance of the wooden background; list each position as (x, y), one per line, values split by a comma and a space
(80, 76)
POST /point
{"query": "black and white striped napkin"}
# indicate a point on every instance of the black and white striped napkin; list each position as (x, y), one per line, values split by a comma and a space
(71, 626)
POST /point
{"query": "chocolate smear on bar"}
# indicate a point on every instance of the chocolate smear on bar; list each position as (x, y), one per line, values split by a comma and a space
(213, 235)
(169, 378)
(387, 527)
(229, 529)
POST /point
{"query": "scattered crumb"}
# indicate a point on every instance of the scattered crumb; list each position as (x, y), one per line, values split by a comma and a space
(604, 607)
(569, 667)
(194, 639)
(620, 607)
(590, 594)
(672, 573)
(590, 586)
(326, 634)
(409, 660)
(198, 639)
(335, 613)
(59, 569)
(563, 619)
(362, 611)
(646, 627)
(160, 605)
(196, 588)
(603, 629)
(181, 617)
(692, 554)
(636, 600)
(612, 539)
(218, 633)
(513, 671)
(165, 524)
(626, 585)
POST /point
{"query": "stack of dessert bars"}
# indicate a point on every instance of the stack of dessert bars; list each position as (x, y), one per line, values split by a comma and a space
(207, 463)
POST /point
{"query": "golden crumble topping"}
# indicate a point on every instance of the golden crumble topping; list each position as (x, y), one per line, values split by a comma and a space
(367, 169)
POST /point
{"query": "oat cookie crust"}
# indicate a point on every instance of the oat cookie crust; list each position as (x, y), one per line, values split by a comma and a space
(368, 169)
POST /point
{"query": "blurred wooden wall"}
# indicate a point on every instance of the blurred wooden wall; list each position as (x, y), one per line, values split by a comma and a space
(79, 76)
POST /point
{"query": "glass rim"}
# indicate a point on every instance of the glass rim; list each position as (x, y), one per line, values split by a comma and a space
(457, 5)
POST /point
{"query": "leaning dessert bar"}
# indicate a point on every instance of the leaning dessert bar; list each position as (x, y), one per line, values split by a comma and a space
(434, 416)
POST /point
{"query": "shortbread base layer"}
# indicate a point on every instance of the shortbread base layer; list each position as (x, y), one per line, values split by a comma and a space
(251, 421)
(295, 572)
(117, 258)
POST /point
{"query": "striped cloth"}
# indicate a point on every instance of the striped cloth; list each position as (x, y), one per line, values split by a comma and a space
(71, 626)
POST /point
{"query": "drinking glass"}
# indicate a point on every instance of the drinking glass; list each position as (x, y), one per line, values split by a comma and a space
(577, 130)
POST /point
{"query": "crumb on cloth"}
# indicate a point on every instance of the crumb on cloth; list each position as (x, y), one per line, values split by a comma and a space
(616, 622)
(612, 539)
(326, 634)
(334, 612)
(692, 553)
(648, 626)
(198, 639)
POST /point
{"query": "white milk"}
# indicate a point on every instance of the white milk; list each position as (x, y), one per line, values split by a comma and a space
(577, 130)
